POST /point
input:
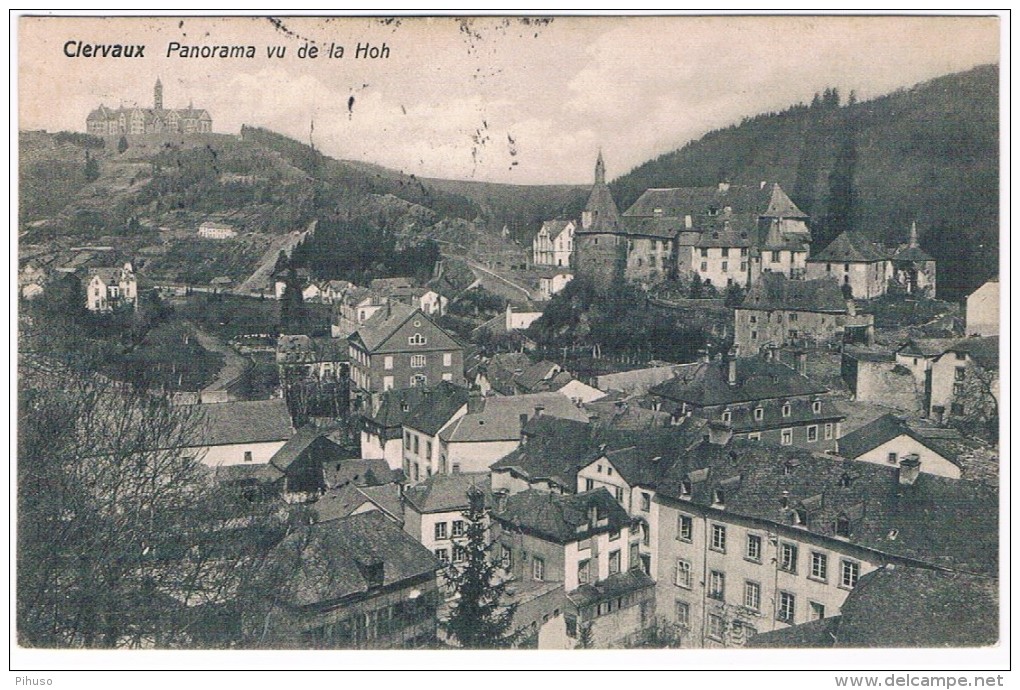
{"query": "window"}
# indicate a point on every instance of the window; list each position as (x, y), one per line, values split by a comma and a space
(726, 416)
(892, 458)
(849, 572)
(682, 574)
(538, 568)
(785, 607)
(817, 610)
(458, 528)
(819, 566)
(388, 362)
(719, 538)
(716, 585)
(725, 266)
(506, 557)
(754, 437)
(459, 553)
(584, 572)
(456, 468)
(247, 456)
(788, 557)
(812, 433)
(753, 547)
(443, 555)
(775, 257)
(725, 252)
(417, 447)
(614, 562)
(419, 380)
(752, 595)
(753, 319)
(387, 383)
(793, 316)
(716, 627)
(828, 432)
(846, 267)
(704, 266)
(682, 613)
(589, 484)
(646, 502)
(816, 407)
(417, 361)
(407, 440)
(786, 409)
(786, 437)
(448, 376)
(704, 252)
(428, 449)
(754, 335)
(619, 493)
(759, 414)
(743, 266)
(447, 359)
(962, 356)
(684, 528)
(440, 530)
(417, 339)
(635, 556)
(842, 527)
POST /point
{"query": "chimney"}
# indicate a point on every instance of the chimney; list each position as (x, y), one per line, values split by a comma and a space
(476, 403)
(910, 468)
(785, 500)
(851, 308)
(703, 355)
(719, 433)
(539, 409)
(524, 422)
(801, 356)
(688, 223)
(731, 367)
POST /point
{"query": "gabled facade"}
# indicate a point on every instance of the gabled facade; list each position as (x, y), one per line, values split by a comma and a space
(241, 433)
(965, 380)
(890, 441)
(913, 270)
(554, 244)
(854, 261)
(110, 289)
(399, 347)
(105, 121)
(983, 310)
(440, 406)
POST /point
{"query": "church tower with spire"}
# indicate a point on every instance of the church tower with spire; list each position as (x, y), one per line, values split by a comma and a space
(601, 242)
(158, 95)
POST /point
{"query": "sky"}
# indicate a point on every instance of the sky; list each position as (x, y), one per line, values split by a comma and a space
(490, 99)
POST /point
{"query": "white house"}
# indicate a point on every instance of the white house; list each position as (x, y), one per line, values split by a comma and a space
(554, 243)
(216, 231)
(520, 316)
(108, 289)
(237, 433)
(983, 309)
(889, 441)
(553, 282)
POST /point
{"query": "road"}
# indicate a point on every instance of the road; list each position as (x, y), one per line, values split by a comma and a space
(233, 364)
(259, 280)
(488, 278)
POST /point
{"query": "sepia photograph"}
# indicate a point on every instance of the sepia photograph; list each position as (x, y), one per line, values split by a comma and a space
(676, 336)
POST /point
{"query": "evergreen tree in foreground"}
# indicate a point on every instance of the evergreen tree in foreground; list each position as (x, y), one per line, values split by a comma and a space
(478, 620)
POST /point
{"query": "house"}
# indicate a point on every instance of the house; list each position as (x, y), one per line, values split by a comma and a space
(358, 582)
(211, 230)
(300, 461)
(965, 381)
(492, 427)
(884, 610)
(805, 313)
(758, 398)
(110, 289)
(234, 433)
(552, 282)
(404, 291)
(382, 424)
(874, 374)
(725, 234)
(384, 286)
(304, 357)
(554, 243)
(400, 346)
(983, 309)
(440, 405)
(302, 278)
(854, 260)
(352, 308)
(550, 453)
(497, 374)
(622, 413)
(334, 290)
(889, 440)
(585, 541)
(754, 538)
(362, 472)
(514, 373)
(434, 513)
(913, 270)
(917, 355)
(355, 499)
(637, 382)
(520, 315)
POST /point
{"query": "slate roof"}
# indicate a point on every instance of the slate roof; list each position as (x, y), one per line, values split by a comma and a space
(259, 473)
(329, 561)
(555, 450)
(812, 635)
(256, 421)
(626, 415)
(443, 493)
(557, 517)
(775, 291)
(308, 444)
(643, 226)
(438, 405)
(615, 585)
(851, 246)
(554, 227)
(395, 407)
(768, 200)
(342, 502)
(926, 347)
(381, 325)
(939, 521)
(502, 368)
(912, 254)
(356, 471)
(109, 275)
(500, 419)
(757, 379)
(983, 349)
(605, 214)
(884, 429)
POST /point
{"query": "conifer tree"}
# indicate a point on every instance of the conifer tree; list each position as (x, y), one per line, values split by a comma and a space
(478, 619)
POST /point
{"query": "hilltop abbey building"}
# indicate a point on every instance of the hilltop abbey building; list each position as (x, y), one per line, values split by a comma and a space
(105, 121)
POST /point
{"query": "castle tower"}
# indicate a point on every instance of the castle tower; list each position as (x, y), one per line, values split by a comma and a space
(600, 170)
(600, 244)
(914, 244)
(158, 95)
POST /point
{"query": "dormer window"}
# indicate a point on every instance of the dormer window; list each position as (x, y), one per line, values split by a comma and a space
(800, 517)
(718, 497)
(685, 488)
(816, 406)
(786, 409)
(843, 526)
(726, 416)
(759, 414)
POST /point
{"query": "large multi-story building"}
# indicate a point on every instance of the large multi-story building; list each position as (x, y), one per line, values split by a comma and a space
(400, 346)
(554, 244)
(110, 289)
(105, 121)
(865, 267)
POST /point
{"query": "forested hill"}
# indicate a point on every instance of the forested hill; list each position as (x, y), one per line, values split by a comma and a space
(929, 154)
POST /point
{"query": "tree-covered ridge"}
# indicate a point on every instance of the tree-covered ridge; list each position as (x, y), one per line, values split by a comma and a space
(929, 154)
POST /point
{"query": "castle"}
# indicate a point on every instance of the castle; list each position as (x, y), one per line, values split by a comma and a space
(105, 121)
